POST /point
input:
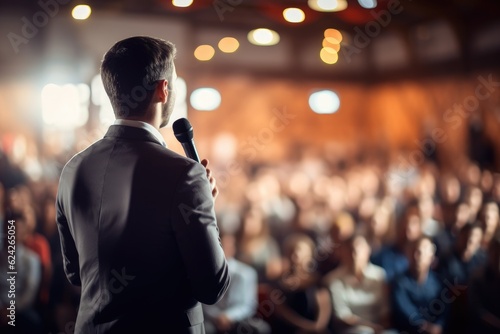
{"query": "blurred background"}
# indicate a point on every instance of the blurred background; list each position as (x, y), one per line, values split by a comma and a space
(309, 111)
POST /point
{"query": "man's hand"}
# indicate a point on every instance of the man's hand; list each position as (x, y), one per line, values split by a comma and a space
(215, 190)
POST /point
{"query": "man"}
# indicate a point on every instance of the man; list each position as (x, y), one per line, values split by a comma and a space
(419, 303)
(136, 220)
(359, 291)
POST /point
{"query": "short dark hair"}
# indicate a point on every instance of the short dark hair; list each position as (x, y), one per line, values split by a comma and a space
(131, 69)
(417, 242)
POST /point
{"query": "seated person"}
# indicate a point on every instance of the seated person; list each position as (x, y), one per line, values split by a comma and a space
(27, 280)
(467, 259)
(484, 294)
(490, 220)
(416, 293)
(447, 238)
(393, 257)
(306, 306)
(256, 246)
(358, 290)
(234, 312)
(468, 256)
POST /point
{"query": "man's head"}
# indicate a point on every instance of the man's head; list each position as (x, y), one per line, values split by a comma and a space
(410, 228)
(469, 239)
(299, 249)
(356, 251)
(422, 254)
(137, 73)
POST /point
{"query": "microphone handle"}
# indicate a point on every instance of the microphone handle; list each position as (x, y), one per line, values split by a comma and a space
(190, 150)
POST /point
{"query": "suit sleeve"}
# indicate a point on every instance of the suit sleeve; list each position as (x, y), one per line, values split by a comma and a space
(68, 247)
(197, 235)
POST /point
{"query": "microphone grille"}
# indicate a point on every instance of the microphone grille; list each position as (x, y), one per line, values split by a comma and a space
(183, 130)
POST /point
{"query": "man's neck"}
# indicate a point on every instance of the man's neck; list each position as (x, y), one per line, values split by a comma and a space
(142, 119)
(421, 275)
(152, 117)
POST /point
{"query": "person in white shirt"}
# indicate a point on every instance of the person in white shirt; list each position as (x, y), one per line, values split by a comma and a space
(235, 312)
(359, 292)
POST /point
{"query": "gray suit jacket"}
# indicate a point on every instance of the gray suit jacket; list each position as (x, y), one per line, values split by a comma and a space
(139, 235)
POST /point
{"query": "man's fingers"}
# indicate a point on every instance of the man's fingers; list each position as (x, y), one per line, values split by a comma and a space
(211, 179)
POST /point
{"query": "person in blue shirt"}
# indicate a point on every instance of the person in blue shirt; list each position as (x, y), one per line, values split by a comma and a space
(392, 257)
(468, 256)
(467, 260)
(419, 297)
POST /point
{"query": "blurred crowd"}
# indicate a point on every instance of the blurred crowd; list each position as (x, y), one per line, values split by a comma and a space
(314, 246)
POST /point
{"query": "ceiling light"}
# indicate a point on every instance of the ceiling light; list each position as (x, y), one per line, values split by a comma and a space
(294, 15)
(182, 3)
(324, 102)
(204, 52)
(328, 44)
(65, 106)
(81, 12)
(228, 44)
(333, 35)
(368, 4)
(263, 36)
(205, 99)
(329, 55)
(327, 5)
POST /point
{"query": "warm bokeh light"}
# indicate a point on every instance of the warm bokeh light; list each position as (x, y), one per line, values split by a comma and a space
(333, 35)
(327, 5)
(327, 43)
(81, 12)
(204, 52)
(368, 4)
(205, 99)
(329, 55)
(228, 44)
(324, 102)
(180, 107)
(294, 15)
(65, 107)
(263, 36)
(182, 3)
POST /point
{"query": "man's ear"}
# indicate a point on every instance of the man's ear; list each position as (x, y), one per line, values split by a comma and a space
(162, 91)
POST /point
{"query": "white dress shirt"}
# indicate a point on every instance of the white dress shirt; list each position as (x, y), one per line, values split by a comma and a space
(142, 125)
(365, 299)
(240, 301)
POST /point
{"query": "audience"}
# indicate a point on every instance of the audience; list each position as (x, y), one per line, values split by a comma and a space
(300, 260)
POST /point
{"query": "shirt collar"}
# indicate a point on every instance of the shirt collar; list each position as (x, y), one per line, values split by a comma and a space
(142, 125)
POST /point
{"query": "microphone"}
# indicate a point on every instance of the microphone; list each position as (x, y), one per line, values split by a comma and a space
(183, 131)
